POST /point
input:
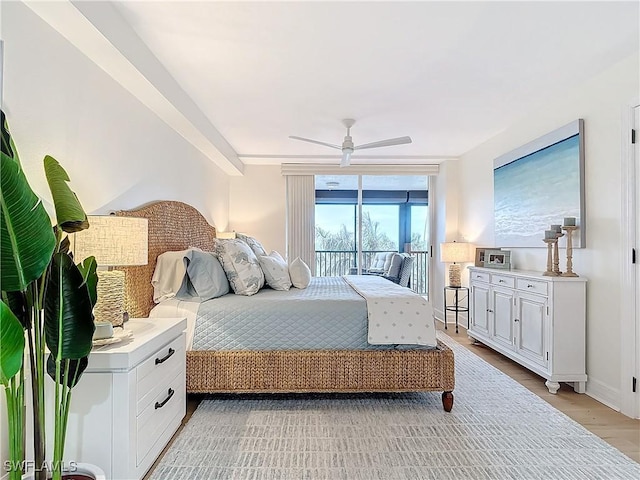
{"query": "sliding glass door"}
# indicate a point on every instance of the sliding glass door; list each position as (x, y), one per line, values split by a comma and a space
(358, 216)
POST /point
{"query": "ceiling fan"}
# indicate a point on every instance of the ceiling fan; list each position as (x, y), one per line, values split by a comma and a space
(348, 147)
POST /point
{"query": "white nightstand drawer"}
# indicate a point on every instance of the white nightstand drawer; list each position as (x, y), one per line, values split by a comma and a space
(157, 369)
(502, 280)
(480, 277)
(532, 286)
(153, 421)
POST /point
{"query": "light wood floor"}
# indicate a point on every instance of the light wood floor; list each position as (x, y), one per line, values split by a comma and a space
(614, 428)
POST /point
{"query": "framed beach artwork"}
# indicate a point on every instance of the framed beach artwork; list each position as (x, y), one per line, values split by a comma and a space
(538, 185)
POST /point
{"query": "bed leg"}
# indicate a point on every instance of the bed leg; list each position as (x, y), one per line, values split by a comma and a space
(447, 401)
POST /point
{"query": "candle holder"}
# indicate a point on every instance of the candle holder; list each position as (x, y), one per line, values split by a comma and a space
(569, 273)
(556, 255)
(550, 242)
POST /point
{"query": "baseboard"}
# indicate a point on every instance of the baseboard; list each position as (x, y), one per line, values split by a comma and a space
(604, 394)
(438, 314)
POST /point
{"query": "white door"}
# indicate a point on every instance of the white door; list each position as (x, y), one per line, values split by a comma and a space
(480, 309)
(636, 215)
(531, 314)
(502, 316)
(630, 294)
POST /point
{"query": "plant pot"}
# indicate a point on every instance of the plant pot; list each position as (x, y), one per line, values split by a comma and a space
(82, 471)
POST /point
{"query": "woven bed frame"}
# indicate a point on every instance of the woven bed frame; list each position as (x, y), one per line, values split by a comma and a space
(178, 226)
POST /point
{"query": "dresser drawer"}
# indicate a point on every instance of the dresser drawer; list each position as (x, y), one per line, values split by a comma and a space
(169, 404)
(502, 280)
(480, 277)
(152, 374)
(532, 286)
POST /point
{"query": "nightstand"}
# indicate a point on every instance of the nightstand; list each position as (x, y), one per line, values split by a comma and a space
(460, 294)
(130, 400)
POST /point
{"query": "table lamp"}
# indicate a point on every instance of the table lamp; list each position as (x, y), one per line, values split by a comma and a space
(455, 253)
(114, 242)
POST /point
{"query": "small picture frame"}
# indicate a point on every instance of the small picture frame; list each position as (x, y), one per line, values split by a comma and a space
(480, 257)
(500, 259)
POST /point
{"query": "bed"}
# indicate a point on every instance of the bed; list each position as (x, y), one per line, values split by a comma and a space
(175, 226)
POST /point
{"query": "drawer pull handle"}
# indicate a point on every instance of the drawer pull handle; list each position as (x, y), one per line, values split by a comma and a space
(164, 359)
(500, 281)
(529, 286)
(516, 320)
(169, 395)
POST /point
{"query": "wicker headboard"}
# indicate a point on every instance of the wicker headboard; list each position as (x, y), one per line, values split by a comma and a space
(172, 226)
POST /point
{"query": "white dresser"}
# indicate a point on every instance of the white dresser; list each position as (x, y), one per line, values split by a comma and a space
(537, 321)
(130, 400)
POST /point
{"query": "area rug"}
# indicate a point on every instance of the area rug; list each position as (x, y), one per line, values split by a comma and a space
(496, 430)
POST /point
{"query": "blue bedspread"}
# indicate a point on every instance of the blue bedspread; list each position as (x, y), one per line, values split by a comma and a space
(292, 320)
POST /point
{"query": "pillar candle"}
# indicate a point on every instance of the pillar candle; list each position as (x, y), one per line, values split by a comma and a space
(556, 228)
(549, 234)
(569, 221)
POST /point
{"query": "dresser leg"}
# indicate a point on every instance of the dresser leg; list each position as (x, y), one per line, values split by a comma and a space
(552, 386)
(580, 387)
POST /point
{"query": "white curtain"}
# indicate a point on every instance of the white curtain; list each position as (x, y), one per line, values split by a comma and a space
(301, 200)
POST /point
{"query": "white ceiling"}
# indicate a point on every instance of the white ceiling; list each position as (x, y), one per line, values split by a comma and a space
(451, 75)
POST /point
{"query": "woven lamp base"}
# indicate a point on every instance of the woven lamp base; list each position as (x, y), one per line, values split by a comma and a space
(110, 304)
(454, 275)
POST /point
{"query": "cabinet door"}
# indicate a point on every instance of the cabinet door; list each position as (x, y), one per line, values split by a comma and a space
(501, 316)
(479, 309)
(531, 316)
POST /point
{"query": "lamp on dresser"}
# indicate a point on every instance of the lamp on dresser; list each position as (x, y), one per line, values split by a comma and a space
(114, 242)
(455, 253)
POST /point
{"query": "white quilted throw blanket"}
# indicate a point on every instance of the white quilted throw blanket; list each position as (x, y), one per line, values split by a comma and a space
(396, 314)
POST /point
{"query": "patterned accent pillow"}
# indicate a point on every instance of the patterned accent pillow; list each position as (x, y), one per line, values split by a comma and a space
(255, 245)
(241, 266)
(276, 271)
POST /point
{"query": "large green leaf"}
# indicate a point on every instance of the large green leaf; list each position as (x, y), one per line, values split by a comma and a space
(68, 320)
(8, 148)
(70, 377)
(26, 236)
(89, 268)
(69, 212)
(17, 303)
(11, 344)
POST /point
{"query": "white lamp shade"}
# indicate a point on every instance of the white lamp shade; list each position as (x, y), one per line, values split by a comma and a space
(114, 241)
(455, 252)
(225, 235)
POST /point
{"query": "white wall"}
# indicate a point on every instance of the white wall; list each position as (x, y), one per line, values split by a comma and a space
(599, 101)
(117, 153)
(445, 195)
(258, 205)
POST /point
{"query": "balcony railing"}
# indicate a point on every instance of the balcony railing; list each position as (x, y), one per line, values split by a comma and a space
(332, 263)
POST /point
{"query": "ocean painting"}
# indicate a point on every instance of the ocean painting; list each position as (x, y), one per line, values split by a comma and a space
(538, 190)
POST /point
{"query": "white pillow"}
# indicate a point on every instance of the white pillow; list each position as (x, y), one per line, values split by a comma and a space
(276, 271)
(168, 275)
(241, 266)
(300, 273)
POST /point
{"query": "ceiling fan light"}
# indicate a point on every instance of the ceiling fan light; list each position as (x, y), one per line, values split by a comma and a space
(347, 150)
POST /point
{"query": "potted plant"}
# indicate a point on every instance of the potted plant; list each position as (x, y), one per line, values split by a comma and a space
(46, 298)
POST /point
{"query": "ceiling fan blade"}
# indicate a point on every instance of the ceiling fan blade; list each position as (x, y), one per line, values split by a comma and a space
(385, 143)
(346, 158)
(316, 141)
